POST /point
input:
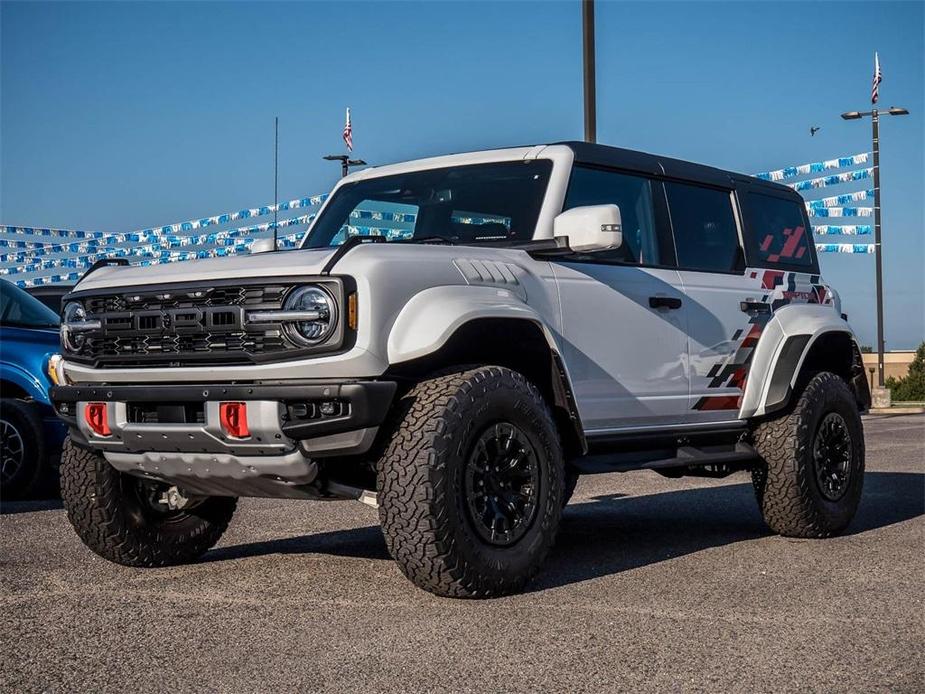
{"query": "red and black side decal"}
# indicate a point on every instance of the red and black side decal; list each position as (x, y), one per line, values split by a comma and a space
(733, 372)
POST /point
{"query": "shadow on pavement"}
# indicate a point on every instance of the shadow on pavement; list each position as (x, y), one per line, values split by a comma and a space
(614, 533)
(605, 536)
(364, 543)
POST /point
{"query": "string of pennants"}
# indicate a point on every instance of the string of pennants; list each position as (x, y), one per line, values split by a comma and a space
(835, 206)
(33, 248)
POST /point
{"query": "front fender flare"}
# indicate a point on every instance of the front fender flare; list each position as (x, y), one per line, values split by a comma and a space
(431, 317)
(28, 382)
(779, 355)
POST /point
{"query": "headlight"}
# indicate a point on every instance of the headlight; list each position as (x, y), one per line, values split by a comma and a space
(72, 340)
(315, 300)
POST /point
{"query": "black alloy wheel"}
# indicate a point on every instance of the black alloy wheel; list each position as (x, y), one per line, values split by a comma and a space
(502, 478)
(832, 456)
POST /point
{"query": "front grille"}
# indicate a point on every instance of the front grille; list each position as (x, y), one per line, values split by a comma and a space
(183, 326)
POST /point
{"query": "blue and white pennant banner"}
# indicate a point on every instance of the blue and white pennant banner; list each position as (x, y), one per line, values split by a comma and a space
(814, 167)
(843, 229)
(839, 200)
(217, 238)
(842, 212)
(144, 234)
(858, 248)
(833, 180)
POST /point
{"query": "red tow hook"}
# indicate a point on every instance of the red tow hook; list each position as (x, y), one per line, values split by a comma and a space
(97, 416)
(233, 418)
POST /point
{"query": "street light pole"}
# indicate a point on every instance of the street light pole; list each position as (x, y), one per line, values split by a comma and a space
(878, 246)
(875, 132)
(587, 23)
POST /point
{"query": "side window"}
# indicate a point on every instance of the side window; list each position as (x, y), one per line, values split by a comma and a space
(775, 233)
(633, 195)
(704, 227)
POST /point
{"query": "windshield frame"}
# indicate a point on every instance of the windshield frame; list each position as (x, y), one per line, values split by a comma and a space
(549, 204)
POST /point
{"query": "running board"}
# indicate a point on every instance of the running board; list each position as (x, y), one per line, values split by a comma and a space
(686, 459)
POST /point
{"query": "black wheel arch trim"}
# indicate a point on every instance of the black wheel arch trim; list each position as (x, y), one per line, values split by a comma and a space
(792, 357)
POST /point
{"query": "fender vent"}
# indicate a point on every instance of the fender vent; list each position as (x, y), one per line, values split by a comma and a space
(491, 273)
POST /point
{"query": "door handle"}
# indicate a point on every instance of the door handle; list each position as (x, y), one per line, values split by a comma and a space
(664, 302)
(754, 307)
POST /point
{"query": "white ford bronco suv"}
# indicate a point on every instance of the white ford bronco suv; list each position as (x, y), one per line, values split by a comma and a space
(513, 318)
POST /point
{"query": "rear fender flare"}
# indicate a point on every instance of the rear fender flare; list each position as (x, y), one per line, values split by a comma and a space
(781, 351)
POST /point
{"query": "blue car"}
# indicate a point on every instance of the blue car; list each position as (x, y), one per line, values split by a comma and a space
(30, 433)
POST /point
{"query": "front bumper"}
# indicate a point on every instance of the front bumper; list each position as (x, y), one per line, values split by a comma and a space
(173, 431)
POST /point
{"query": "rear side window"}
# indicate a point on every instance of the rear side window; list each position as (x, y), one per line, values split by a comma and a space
(704, 226)
(776, 234)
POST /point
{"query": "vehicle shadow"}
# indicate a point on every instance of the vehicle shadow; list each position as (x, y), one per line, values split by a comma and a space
(613, 533)
(607, 536)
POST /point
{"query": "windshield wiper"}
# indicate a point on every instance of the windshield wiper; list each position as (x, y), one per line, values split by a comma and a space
(427, 239)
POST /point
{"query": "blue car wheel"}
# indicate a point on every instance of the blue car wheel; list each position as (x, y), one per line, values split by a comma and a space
(22, 448)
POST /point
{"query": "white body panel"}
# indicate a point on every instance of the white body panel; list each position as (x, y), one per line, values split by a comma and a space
(626, 359)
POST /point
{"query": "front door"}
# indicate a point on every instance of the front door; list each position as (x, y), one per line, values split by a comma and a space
(623, 314)
(626, 358)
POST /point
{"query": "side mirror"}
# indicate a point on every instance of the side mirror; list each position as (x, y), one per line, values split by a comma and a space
(591, 228)
(262, 246)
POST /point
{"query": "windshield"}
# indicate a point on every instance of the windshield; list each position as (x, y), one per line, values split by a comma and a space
(20, 309)
(478, 203)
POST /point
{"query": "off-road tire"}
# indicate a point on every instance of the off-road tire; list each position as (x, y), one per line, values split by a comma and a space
(428, 527)
(786, 484)
(571, 481)
(21, 419)
(104, 508)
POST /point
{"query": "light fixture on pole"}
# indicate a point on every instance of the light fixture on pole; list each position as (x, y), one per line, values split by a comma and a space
(875, 132)
(345, 162)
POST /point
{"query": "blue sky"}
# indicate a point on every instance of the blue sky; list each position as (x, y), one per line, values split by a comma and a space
(126, 115)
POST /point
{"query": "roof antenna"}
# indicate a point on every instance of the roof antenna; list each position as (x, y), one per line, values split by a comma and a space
(275, 180)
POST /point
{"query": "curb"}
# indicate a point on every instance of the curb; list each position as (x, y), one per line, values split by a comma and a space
(880, 411)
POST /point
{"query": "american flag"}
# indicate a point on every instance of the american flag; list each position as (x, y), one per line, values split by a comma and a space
(878, 78)
(348, 132)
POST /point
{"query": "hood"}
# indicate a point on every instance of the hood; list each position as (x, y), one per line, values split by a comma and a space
(275, 264)
(35, 337)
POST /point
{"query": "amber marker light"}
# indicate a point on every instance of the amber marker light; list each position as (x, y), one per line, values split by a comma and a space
(352, 311)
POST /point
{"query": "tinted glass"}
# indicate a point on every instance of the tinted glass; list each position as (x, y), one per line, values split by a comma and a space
(19, 309)
(479, 203)
(776, 233)
(704, 227)
(633, 195)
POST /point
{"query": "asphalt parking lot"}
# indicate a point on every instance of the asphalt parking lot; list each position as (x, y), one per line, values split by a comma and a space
(656, 584)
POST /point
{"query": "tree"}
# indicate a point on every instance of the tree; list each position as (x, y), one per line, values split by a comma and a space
(912, 387)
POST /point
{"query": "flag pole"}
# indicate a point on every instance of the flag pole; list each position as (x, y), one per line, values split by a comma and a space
(275, 180)
(875, 114)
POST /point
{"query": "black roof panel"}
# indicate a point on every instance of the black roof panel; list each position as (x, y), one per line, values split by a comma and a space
(652, 164)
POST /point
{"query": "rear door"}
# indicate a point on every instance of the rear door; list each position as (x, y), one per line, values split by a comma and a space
(711, 264)
(623, 318)
(731, 290)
